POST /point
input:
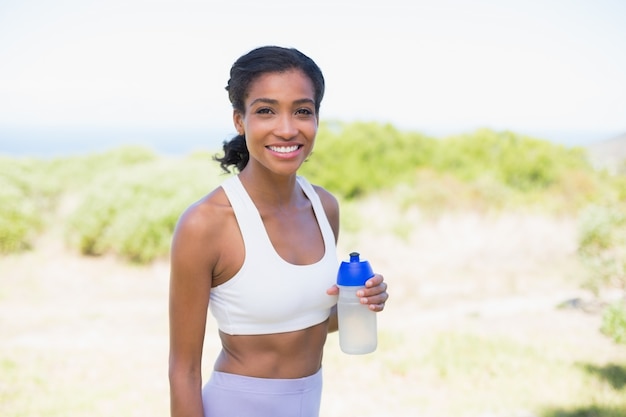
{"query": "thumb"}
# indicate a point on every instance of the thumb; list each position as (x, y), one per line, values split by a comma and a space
(334, 290)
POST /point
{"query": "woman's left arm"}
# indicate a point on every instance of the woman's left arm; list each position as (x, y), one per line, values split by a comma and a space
(375, 292)
(374, 295)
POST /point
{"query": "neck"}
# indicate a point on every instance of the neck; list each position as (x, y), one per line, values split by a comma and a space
(275, 190)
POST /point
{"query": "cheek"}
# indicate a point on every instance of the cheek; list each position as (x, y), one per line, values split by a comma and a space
(312, 132)
(250, 128)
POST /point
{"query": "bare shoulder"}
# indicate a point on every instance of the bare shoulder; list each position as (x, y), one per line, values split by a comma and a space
(200, 226)
(328, 200)
(331, 207)
(203, 216)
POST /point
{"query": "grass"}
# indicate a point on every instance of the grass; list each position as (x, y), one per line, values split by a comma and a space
(468, 374)
(471, 328)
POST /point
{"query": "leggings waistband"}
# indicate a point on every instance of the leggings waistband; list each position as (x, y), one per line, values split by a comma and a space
(265, 385)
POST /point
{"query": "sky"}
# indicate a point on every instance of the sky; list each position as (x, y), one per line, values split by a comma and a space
(549, 67)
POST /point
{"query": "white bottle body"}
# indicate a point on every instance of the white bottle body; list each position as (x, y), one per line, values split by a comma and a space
(357, 323)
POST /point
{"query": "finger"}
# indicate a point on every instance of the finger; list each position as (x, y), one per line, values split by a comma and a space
(376, 299)
(374, 281)
(376, 307)
(372, 291)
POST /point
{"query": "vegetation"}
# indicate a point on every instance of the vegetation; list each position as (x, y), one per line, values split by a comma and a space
(31, 189)
(481, 170)
(602, 246)
(129, 198)
(477, 371)
(602, 250)
(125, 203)
(26, 194)
(356, 159)
(614, 322)
(133, 212)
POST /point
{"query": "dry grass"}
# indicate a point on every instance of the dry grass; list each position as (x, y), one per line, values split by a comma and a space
(472, 327)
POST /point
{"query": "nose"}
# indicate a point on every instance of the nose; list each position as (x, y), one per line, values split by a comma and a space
(285, 127)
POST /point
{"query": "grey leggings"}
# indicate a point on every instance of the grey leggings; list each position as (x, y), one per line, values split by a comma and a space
(229, 395)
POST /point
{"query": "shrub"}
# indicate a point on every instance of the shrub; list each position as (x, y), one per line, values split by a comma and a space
(26, 197)
(30, 189)
(614, 322)
(483, 169)
(602, 245)
(74, 172)
(132, 212)
(20, 220)
(520, 162)
(355, 159)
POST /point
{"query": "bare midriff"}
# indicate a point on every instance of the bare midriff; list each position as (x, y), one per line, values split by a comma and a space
(287, 355)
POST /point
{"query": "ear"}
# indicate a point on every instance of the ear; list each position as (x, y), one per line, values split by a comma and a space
(238, 122)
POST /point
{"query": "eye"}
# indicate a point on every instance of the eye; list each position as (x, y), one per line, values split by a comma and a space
(304, 112)
(264, 110)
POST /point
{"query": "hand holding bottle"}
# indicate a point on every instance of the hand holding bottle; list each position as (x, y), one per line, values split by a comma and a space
(356, 314)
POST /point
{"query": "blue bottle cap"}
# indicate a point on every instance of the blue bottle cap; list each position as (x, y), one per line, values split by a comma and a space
(355, 272)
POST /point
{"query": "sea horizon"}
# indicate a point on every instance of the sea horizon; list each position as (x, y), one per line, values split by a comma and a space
(59, 142)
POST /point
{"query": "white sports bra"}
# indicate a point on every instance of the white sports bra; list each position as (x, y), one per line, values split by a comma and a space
(268, 294)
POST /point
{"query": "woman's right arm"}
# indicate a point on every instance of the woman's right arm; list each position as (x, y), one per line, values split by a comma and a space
(190, 285)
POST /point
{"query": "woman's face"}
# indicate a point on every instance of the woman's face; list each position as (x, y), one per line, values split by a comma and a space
(280, 122)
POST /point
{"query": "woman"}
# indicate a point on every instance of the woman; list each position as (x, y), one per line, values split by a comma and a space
(260, 252)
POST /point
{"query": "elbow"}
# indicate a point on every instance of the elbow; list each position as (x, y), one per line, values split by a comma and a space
(184, 374)
(185, 391)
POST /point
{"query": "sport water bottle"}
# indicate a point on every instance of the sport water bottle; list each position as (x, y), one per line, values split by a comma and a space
(357, 323)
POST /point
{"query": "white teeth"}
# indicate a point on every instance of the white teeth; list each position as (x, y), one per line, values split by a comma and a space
(284, 149)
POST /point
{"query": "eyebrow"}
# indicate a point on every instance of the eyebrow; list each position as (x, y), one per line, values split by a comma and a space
(274, 102)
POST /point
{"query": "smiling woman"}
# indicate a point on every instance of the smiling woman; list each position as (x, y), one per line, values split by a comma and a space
(260, 252)
(303, 107)
(281, 129)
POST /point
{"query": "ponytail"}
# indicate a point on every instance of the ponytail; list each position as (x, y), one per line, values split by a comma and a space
(235, 153)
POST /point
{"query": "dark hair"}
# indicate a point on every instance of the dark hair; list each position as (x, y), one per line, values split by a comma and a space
(245, 70)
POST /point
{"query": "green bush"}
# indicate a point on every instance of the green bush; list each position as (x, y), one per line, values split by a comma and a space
(520, 162)
(614, 322)
(20, 220)
(358, 158)
(26, 198)
(132, 212)
(74, 172)
(132, 189)
(602, 245)
(481, 169)
(30, 189)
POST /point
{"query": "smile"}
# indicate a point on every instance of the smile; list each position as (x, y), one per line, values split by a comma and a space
(284, 149)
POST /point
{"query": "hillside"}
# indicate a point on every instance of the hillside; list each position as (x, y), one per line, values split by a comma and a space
(609, 153)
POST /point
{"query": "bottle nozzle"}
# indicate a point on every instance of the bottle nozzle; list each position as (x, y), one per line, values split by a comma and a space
(354, 272)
